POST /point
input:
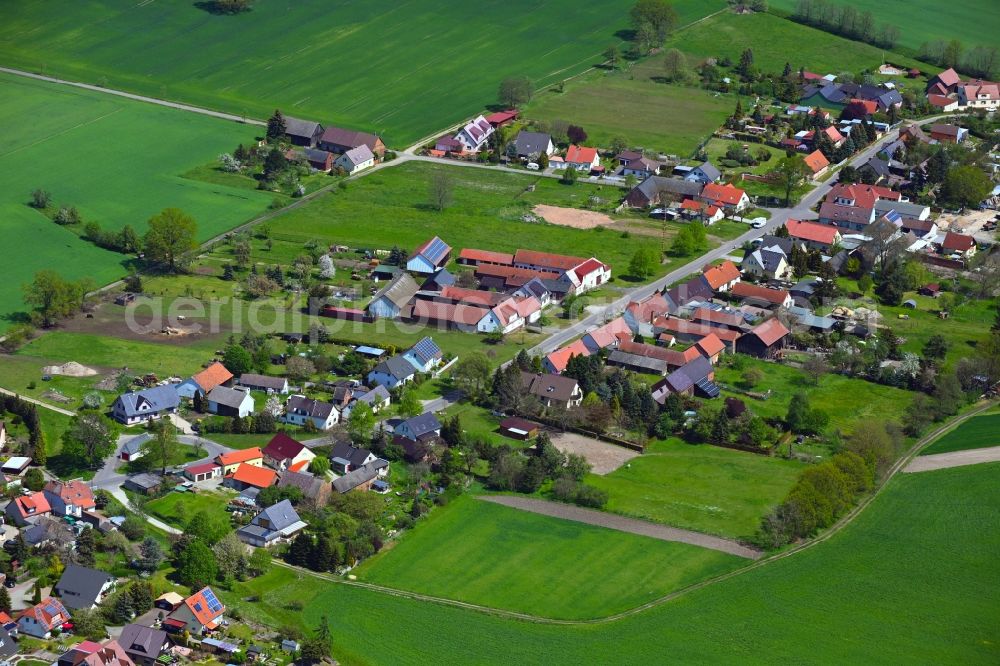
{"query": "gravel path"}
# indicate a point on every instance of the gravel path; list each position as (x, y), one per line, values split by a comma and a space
(623, 524)
(953, 459)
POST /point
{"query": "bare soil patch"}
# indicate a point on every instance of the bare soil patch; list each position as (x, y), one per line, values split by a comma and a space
(603, 457)
(572, 217)
(69, 369)
(954, 459)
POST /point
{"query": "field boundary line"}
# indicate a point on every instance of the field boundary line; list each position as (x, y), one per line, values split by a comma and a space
(64, 131)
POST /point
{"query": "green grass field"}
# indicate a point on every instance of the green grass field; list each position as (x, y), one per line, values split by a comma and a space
(656, 116)
(402, 70)
(973, 22)
(118, 161)
(505, 558)
(178, 508)
(775, 41)
(978, 432)
(699, 487)
(904, 583)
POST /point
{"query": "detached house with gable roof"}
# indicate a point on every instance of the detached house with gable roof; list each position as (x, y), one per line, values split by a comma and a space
(200, 613)
(581, 158)
(226, 401)
(41, 619)
(82, 588)
(727, 197)
(144, 645)
(552, 390)
(608, 335)
(69, 498)
(28, 509)
(765, 340)
(475, 134)
(424, 356)
(355, 159)
(278, 522)
(392, 372)
(770, 260)
(233, 459)
(555, 362)
(814, 236)
(429, 257)
(146, 405)
(720, 277)
(202, 382)
(529, 145)
(299, 410)
(283, 452)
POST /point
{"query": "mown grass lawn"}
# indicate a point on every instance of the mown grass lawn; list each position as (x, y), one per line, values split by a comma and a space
(699, 487)
(403, 71)
(127, 162)
(977, 433)
(178, 508)
(905, 579)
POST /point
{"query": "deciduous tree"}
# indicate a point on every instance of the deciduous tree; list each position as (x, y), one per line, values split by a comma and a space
(171, 234)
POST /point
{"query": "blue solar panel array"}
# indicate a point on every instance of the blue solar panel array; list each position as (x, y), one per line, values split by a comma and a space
(436, 250)
(426, 349)
(213, 603)
(893, 216)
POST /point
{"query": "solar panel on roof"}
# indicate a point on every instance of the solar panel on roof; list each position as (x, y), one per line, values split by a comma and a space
(436, 250)
(708, 387)
(426, 349)
(213, 603)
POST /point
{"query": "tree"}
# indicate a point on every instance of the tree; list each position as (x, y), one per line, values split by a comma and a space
(440, 189)
(936, 347)
(171, 233)
(618, 144)
(162, 448)
(207, 527)
(52, 297)
(299, 368)
(360, 423)
(409, 404)
(789, 172)
(966, 186)
(242, 252)
(327, 270)
(644, 262)
(85, 548)
(576, 134)
(317, 648)
(675, 65)
(276, 127)
(34, 479)
(231, 555)
(655, 19)
(89, 623)
(611, 55)
(237, 359)
(150, 555)
(40, 199)
(319, 466)
(815, 367)
(952, 55)
(230, 6)
(196, 565)
(472, 372)
(515, 91)
(745, 67)
(274, 164)
(4, 600)
(90, 439)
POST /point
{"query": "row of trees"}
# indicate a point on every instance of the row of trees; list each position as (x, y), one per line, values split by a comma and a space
(981, 61)
(847, 21)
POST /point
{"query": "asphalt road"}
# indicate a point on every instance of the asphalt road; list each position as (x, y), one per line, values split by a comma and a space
(109, 478)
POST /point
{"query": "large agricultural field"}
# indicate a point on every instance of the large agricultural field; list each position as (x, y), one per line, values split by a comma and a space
(977, 433)
(470, 549)
(973, 22)
(118, 161)
(401, 70)
(699, 487)
(905, 579)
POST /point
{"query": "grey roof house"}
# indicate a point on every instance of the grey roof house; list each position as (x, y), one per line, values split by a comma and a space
(389, 301)
(264, 383)
(361, 478)
(143, 644)
(391, 372)
(532, 144)
(134, 448)
(81, 587)
(274, 524)
(658, 189)
(138, 406)
(419, 427)
(313, 489)
(302, 132)
(345, 457)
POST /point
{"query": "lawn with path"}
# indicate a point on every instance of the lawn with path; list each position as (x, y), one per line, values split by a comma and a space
(906, 579)
(401, 70)
(118, 161)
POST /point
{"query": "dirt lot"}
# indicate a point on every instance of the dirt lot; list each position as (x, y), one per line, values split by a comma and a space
(971, 223)
(572, 217)
(604, 457)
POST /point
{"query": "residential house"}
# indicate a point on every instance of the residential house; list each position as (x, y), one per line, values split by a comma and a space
(377, 399)
(302, 132)
(727, 197)
(460, 316)
(699, 210)
(69, 498)
(318, 160)
(230, 460)
(720, 277)
(694, 290)
(429, 257)
(419, 427)
(897, 210)
(770, 260)
(142, 406)
(49, 531)
(556, 362)
(424, 356)
(338, 140)
(362, 478)
(83, 588)
(134, 448)
(200, 613)
(765, 340)
(581, 158)
(226, 401)
(283, 452)
(275, 524)
(814, 236)
(40, 620)
(704, 173)
(728, 319)
(28, 509)
(946, 133)
(8, 646)
(356, 159)
(447, 143)
(313, 488)
(205, 471)
(144, 645)
(852, 206)
(391, 372)
(300, 410)
(202, 382)
(345, 457)
(766, 297)
(608, 335)
(250, 476)
(944, 83)
(529, 145)
(640, 167)
(143, 484)
(711, 346)
(979, 95)
(264, 383)
(639, 315)
(389, 301)
(960, 244)
(659, 190)
(817, 163)
(475, 134)
(89, 653)
(590, 275)
(696, 374)
(552, 390)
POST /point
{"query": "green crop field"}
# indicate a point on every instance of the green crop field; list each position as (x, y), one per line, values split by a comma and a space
(775, 41)
(904, 583)
(390, 208)
(506, 558)
(699, 487)
(402, 70)
(118, 161)
(656, 116)
(972, 22)
(978, 432)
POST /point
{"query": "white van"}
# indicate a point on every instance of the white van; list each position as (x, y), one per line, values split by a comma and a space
(531, 166)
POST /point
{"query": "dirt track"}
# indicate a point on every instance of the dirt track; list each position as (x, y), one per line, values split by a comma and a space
(953, 459)
(623, 524)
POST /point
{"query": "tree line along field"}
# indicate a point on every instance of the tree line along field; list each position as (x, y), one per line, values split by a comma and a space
(502, 557)
(401, 70)
(118, 161)
(973, 22)
(976, 433)
(903, 582)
